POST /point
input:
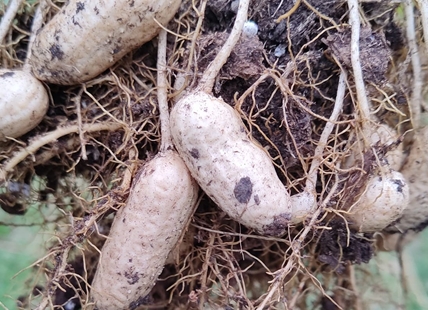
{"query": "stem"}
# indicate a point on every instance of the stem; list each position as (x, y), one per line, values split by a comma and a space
(8, 17)
(416, 98)
(37, 24)
(207, 81)
(50, 137)
(354, 20)
(166, 140)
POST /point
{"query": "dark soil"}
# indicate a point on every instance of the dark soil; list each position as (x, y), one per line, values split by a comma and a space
(337, 248)
(374, 53)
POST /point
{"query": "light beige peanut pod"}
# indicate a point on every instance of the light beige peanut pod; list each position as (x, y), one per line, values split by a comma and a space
(385, 198)
(415, 170)
(235, 172)
(87, 37)
(144, 232)
(23, 102)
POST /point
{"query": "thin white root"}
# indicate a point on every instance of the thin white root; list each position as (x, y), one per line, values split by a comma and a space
(305, 202)
(363, 101)
(201, 14)
(310, 183)
(296, 247)
(8, 17)
(50, 137)
(316, 162)
(162, 92)
(37, 24)
(207, 81)
(416, 98)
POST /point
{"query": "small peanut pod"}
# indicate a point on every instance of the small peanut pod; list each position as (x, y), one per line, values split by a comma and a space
(87, 37)
(236, 173)
(23, 102)
(415, 170)
(385, 198)
(144, 232)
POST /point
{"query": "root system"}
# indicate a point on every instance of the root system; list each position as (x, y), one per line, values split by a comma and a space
(296, 87)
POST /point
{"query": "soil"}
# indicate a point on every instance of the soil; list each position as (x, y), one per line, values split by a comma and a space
(374, 53)
(338, 248)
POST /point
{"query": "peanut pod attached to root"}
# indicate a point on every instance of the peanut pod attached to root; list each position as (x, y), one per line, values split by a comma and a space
(386, 193)
(234, 171)
(384, 199)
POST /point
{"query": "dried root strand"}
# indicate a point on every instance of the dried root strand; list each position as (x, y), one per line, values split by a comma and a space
(298, 244)
(40, 141)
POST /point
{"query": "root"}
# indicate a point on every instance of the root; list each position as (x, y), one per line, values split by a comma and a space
(162, 91)
(207, 81)
(41, 141)
(363, 101)
(82, 228)
(298, 244)
(201, 14)
(290, 12)
(37, 24)
(318, 154)
(294, 259)
(8, 17)
(77, 102)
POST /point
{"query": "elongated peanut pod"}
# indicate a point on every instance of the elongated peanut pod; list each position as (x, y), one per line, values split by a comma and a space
(23, 102)
(87, 37)
(235, 172)
(385, 198)
(144, 232)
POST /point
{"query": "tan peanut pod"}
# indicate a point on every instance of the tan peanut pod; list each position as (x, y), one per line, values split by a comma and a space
(23, 102)
(161, 202)
(384, 199)
(233, 170)
(87, 37)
